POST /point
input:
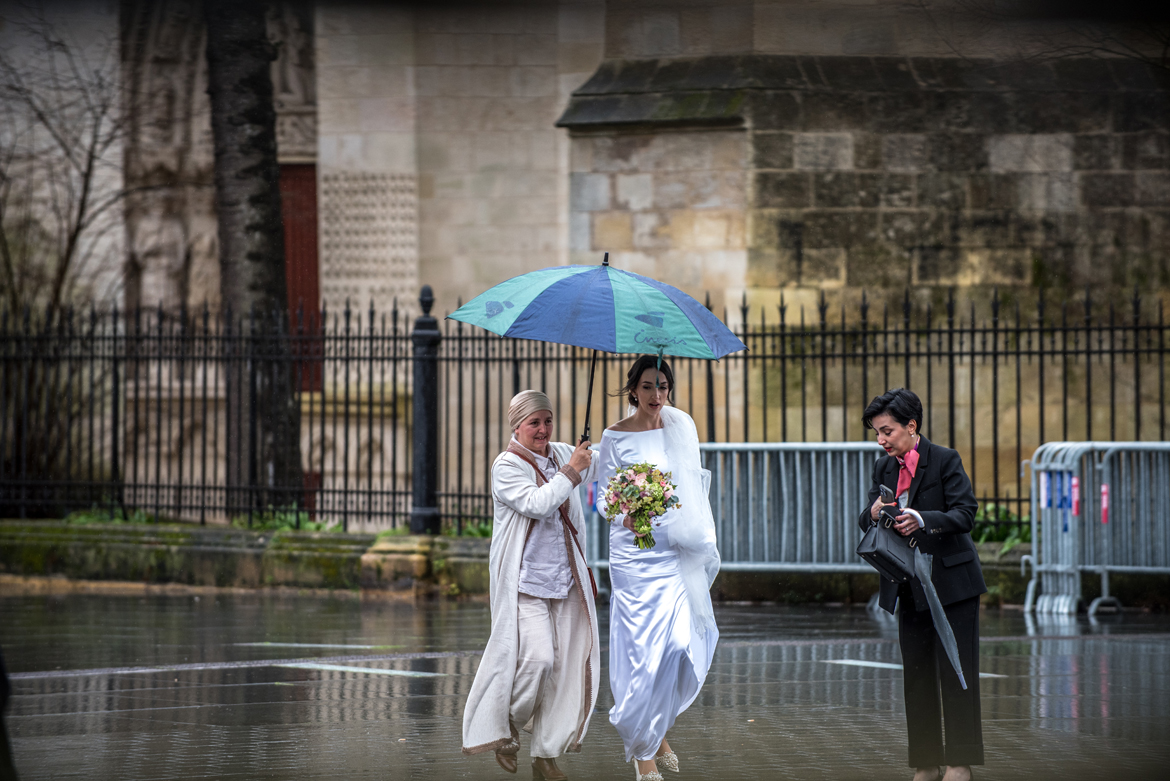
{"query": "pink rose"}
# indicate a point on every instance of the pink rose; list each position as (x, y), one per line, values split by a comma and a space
(667, 493)
(640, 480)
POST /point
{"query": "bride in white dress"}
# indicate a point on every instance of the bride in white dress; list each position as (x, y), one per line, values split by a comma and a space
(662, 631)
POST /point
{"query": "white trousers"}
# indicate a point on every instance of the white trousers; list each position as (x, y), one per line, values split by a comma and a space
(538, 661)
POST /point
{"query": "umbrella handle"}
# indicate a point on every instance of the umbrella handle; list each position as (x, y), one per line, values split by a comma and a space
(589, 395)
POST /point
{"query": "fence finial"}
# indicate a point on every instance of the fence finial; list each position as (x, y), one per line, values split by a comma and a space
(426, 299)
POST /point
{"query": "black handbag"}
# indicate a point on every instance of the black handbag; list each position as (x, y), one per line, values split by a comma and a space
(888, 552)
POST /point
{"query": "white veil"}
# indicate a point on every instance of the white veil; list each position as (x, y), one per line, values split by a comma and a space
(692, 530)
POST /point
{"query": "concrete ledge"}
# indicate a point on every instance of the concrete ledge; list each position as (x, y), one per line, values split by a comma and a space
(397, 563)
(191, 555)
(408, 565)
(461, 564)
(315, 559)
(211, 556)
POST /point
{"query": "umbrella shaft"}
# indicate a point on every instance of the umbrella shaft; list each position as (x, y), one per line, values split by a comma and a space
(589, 395)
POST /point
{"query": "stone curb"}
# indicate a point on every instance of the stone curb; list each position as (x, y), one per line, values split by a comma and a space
(217, 557)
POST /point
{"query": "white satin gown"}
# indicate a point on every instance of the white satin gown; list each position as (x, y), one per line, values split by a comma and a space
(657, 663)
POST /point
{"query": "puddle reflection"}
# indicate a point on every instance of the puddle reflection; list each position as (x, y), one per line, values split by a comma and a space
(244, 686)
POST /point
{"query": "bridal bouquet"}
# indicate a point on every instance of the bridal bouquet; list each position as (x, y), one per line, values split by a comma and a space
(643, 493)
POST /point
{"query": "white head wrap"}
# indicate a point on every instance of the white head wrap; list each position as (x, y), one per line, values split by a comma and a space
(526, 403)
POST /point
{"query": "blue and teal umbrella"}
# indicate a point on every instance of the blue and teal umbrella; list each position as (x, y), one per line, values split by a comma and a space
(602, 308)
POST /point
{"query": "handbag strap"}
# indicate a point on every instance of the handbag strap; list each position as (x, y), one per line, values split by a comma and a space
(563, 510)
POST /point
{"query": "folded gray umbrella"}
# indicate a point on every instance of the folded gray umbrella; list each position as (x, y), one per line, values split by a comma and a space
(922, 568)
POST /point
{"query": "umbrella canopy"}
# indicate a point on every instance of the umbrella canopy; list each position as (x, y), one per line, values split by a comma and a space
(603, 308)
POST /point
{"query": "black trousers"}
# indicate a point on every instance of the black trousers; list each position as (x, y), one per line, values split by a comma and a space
(927, 673)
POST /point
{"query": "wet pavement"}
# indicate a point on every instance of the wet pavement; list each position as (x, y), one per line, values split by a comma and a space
(234, 686)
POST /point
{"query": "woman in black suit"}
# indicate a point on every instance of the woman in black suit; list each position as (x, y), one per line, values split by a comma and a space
(930, 479)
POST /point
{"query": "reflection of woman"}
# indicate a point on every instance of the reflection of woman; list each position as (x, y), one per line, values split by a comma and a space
(538, 672)
(662, 632)
(930, 479)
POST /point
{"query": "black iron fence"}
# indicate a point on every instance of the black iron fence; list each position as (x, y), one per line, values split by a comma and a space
(168, 415)
(164, 414)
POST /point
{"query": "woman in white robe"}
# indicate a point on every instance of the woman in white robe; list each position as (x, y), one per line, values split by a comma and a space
(539, 669)
(662, 632)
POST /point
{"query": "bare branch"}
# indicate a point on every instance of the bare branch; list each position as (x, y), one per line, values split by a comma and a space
(59, 176)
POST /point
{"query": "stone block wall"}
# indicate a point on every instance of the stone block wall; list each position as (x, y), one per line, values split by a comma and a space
(886, 173)
(879, 173)
(366, 150)
(489, 83)
(671, 206)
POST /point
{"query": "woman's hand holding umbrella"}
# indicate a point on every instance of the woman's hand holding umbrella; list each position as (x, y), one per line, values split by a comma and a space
(582, 457)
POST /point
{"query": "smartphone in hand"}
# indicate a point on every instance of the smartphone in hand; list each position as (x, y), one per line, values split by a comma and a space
(888, 513)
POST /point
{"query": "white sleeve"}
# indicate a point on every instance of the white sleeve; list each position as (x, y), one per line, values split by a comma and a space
(515, 486)
(607, 467)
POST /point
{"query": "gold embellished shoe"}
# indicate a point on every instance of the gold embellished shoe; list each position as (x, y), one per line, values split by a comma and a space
(667, 761)
(653, 775)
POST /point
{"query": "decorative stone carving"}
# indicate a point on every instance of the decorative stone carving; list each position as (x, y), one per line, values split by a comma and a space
(369, 239)
(294, 81)
(172, 252)
(296, 135)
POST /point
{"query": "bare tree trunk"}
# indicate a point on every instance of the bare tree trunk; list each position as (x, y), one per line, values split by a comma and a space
(251, 251)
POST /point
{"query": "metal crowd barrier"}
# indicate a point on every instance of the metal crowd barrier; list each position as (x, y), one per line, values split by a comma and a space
(779, 507)
(1097, 507)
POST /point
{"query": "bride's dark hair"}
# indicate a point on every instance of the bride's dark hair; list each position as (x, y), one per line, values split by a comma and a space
(643, 363)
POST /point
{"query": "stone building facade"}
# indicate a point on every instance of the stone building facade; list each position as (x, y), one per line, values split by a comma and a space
(721, 146)
(736, 147)
(172, 250)
(429, 128)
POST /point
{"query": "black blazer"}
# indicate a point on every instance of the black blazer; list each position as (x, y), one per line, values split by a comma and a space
(941, 493)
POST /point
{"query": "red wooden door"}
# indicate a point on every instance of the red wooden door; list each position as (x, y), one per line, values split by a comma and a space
(298, 211)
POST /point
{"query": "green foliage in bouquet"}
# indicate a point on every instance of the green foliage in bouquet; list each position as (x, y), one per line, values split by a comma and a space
(643, 493)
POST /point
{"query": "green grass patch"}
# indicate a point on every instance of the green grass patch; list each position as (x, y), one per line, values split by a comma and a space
(472, 527)
(283, 519)
(997, 523)
(96, 514)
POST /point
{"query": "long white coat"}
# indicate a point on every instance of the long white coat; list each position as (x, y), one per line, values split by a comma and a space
(563, 718)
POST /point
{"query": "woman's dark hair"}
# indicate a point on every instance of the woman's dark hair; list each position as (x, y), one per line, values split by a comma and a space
(901, 405)
(633, 376)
